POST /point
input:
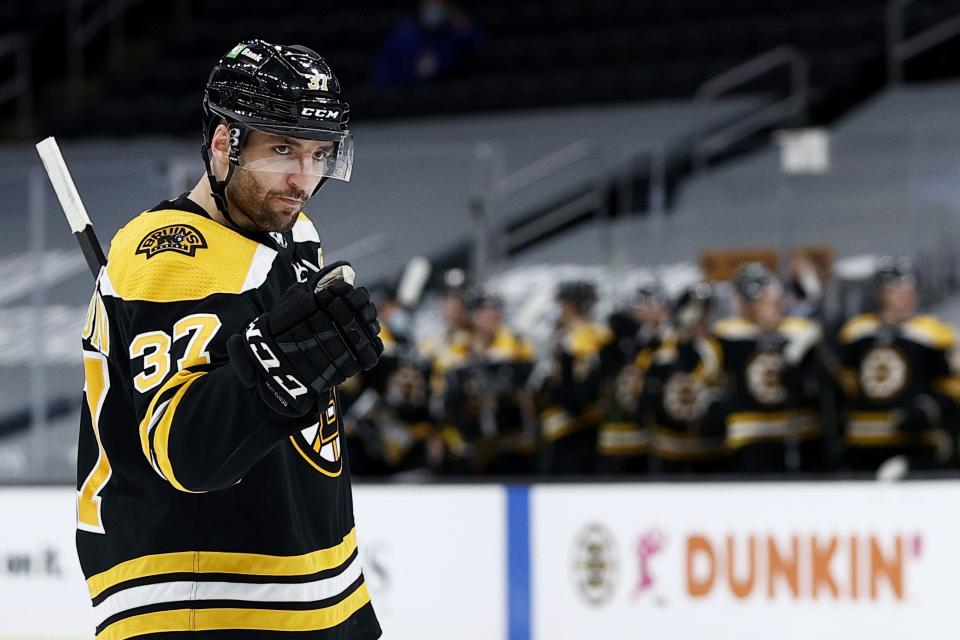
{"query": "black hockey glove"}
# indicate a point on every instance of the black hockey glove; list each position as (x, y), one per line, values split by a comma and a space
(319, 334)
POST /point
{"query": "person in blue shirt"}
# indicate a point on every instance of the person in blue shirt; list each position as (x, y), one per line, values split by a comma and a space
(436, 44)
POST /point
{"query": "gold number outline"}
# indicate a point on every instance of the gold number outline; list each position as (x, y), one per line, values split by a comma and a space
(158, 359)
(89, 502)
(202, 326)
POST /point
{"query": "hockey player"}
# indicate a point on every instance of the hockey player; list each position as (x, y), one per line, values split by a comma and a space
(680, 381)
(441, 352)
(387, 417)
(637, 332)
(769, 411)
(486, 396)
(899, 377)
(639, 327)
(213, 489)
(453, 341)
(568, 397)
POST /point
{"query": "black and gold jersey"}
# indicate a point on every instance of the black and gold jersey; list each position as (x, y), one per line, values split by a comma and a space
(199, 510)
(680, 381)
(900, 380)
(569, 397)
(767, 379)
(484, 397)
(624, 440)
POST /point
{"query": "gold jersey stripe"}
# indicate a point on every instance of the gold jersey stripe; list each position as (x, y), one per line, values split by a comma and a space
(162, 439)
(250, 564)
(180, 620)
(757, 416)
(221, 266)
(183, 379)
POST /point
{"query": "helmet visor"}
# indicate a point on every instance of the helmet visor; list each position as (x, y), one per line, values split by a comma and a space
(291, 150)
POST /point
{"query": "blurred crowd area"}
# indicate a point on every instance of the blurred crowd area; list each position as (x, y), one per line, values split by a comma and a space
(737, 376)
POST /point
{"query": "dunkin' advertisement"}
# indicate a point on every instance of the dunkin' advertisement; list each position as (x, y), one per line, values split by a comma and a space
(850, 560)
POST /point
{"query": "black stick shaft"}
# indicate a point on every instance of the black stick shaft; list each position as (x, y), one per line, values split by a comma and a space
(92, 252)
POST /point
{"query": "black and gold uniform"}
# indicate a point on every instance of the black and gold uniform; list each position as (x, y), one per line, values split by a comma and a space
(484, 396)
(444, 352)
(901, 389)
(680, 380)
(389, 418)
(770, 401)
(624, 443)
(199, 509)
(570, 412)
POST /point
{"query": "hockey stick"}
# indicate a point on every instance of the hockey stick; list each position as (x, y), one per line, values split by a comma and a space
(412, 282)
(73, 207)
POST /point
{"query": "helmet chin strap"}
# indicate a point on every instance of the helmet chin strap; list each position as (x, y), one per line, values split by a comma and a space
(218, 188)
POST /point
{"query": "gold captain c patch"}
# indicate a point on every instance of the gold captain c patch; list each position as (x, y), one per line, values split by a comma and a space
(181, 238)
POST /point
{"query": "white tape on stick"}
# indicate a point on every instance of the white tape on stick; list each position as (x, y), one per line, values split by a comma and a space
(63, 184)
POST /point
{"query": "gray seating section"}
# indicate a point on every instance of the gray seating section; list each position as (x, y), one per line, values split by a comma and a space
(893, 187)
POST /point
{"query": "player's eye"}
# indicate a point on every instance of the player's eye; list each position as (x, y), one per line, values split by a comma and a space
(321, 154)
(282, 149)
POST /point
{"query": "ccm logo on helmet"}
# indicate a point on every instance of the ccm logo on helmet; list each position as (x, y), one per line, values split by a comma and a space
(319, 112)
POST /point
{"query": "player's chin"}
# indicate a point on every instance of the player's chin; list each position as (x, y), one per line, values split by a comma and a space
(287, 208)
(280, 220)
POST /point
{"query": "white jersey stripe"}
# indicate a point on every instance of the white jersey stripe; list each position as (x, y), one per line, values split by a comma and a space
(304, 231)
(154, 419)
(106, 286)
(189, 591)
(259, 267)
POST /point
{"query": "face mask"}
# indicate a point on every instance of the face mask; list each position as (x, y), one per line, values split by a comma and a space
(433, 16)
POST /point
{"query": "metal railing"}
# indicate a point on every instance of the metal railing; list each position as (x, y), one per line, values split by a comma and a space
(901, 48)
(20, 86)
(491, 244)
(82, 30)
(792, 105)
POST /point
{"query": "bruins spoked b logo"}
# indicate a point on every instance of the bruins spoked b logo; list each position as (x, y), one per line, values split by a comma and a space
(181, 238)
(684, 397)
(764, 382)
(883, 373)
(595, 564)
(319, 444)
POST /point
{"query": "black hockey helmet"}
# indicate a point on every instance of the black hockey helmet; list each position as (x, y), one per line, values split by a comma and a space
(891, 270)
(280, 89)
(648, 294)
(693, 305)
(753, 279)
(581, 293)
(478, 297)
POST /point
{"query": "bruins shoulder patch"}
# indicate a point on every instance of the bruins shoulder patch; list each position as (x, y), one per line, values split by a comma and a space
(180, 238)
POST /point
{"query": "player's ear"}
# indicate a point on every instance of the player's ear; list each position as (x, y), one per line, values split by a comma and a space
(221, 142)
(220, 150)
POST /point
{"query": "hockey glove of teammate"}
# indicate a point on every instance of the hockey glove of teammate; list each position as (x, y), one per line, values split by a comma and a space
(319, 334)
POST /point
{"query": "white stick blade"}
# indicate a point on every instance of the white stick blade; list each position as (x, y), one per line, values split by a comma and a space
(413, 280)
(63, 184)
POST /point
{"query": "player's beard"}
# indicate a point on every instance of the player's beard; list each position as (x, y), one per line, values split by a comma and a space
(261, 206)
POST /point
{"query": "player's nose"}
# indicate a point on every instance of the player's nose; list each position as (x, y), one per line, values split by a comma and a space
(301, 180)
